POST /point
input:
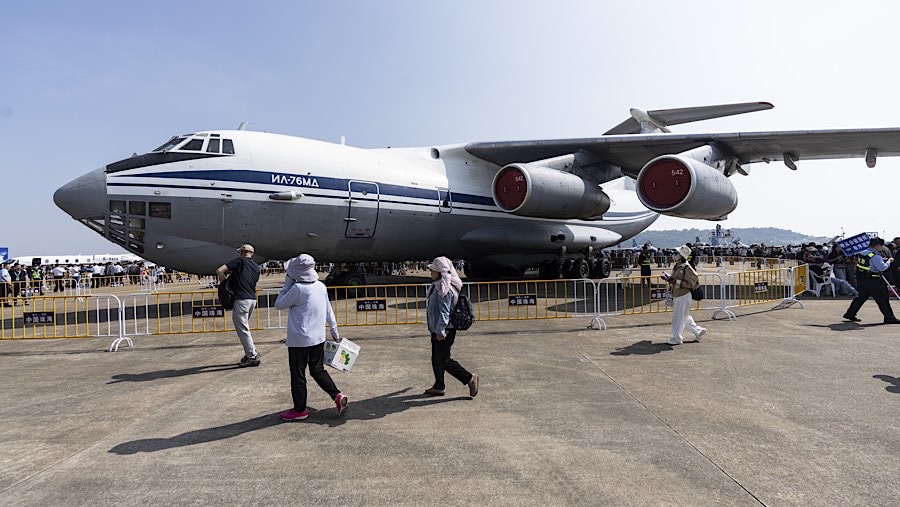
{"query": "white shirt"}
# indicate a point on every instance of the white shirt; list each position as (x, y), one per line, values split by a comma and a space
(308, 310)
(4, 275)
(58, 271)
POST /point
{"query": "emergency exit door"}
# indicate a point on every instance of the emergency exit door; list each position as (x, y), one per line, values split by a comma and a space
(362, 209)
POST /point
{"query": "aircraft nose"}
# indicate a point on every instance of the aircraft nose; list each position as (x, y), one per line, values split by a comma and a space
(84, 196)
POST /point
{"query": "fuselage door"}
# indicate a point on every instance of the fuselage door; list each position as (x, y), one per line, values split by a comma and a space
(445, 200)
(362, 209)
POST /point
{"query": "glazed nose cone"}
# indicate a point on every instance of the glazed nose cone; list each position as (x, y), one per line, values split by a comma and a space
(84, 196)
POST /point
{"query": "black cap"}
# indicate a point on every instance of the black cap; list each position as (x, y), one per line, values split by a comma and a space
(876, 241)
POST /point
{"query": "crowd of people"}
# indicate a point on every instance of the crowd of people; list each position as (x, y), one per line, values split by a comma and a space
(18, 281)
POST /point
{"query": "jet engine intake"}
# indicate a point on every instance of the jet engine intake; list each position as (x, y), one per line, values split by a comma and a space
(535, 191)
(683, 187)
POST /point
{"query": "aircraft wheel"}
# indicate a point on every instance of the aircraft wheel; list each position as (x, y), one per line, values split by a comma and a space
(578, 269)
(353, 279)
(543, 270)
(567, 268)
(554, 270)
(601, 269)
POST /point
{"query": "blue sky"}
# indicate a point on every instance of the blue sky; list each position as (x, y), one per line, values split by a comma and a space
(83, 84)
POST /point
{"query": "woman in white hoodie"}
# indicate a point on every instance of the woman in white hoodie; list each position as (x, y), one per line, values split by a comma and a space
(306, 299)
(441, 297)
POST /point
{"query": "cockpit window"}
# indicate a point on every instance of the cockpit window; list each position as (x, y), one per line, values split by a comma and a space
(213, 146)
(192, 145)
(227, 146)
(171, 143)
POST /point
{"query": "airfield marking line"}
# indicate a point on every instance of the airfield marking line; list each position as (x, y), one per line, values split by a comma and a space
(648, 409)
(108, 435)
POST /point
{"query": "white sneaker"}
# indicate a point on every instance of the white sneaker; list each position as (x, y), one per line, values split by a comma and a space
(674, 341)
(701, 335)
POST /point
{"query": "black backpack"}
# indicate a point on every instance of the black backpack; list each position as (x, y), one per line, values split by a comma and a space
(228, 288)
(463, 314)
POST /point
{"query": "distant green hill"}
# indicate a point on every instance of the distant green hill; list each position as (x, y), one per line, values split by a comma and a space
(749, 236)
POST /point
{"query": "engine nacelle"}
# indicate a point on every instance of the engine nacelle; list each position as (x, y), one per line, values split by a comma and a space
(680, 186)
(535, 191)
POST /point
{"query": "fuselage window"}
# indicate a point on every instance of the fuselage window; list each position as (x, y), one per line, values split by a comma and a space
(213, 146)
(137, 208)
(171, 143)
(227, 146)
(193, 145)
(117, 207)
(161, 209)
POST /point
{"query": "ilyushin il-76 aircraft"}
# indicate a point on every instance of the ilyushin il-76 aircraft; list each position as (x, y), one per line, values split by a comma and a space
(503, 207)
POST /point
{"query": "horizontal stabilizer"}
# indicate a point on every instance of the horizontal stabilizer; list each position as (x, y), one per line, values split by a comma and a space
(666, 117)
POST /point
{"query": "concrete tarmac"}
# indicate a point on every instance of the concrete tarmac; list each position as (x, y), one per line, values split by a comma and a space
(786, 407)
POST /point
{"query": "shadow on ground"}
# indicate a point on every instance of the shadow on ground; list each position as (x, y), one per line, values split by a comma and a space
(894, 382)
(372, 408)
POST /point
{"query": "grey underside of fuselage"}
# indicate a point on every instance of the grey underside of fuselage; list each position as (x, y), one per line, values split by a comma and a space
(203, 232)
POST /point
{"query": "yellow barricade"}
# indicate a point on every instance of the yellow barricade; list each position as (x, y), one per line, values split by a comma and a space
(374, 305)
(177, 313)
(52, 317)
(531, 300)
(761, 286)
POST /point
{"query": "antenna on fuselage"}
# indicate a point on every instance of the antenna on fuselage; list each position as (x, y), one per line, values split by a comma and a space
(242, 126)
(343, 140)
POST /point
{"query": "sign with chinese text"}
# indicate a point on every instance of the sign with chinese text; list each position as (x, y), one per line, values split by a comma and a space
(371, 305)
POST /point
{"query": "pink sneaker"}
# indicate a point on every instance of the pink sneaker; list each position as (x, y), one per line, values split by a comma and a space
(340, 401)
(293, 415)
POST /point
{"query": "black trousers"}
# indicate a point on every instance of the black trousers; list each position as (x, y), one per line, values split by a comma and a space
(876, 288)
(314, 357)
(441, 361)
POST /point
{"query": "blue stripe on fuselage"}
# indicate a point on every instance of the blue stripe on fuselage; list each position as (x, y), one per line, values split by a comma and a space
(299, 181)
(323, 183)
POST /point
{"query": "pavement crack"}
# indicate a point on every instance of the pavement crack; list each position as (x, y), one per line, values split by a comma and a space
(671, 428)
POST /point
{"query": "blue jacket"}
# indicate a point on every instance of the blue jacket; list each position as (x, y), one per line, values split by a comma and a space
(437, 311)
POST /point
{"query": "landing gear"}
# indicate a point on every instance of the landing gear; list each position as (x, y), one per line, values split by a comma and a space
(550, 270)
(601, 268)
(578, 268)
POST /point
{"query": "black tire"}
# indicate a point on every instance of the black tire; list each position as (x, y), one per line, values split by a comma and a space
(554, 270)
(353, 279)
(602, 268)
(567, 268)
(579, 269)
(544, 270)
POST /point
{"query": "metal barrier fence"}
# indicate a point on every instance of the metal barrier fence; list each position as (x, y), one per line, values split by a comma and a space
(177, 313)
(61, 317)
(631, 295)
(763, 286)
(492, 301)
(161, 313)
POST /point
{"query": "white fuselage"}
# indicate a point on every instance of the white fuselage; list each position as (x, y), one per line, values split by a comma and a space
(287, 195)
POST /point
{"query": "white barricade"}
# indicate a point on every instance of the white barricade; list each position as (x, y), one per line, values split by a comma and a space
(630, 295)
(761, 286)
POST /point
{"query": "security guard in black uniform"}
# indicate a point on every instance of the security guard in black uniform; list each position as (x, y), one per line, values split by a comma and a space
(869, 282)
(644, 261)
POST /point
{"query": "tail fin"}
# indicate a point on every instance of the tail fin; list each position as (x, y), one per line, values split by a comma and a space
(642, 122)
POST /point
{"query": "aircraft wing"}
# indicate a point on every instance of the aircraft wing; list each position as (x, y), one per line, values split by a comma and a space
(631, 152)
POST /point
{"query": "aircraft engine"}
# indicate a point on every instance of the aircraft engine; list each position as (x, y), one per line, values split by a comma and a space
(680, 186)
(535, 191)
